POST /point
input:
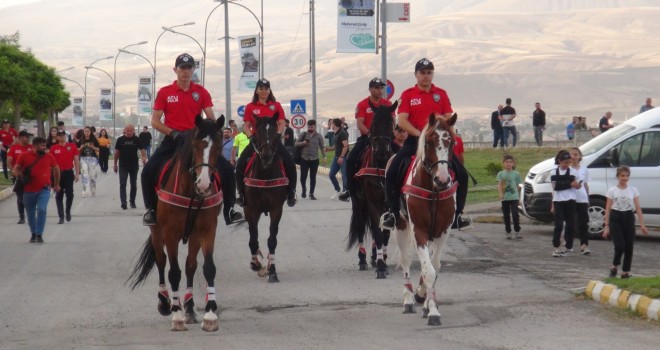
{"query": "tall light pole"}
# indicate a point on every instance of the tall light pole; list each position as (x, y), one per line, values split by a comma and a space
(113, 85)
(198, 44)
(156, 46)
(85, 89)
(153, 71)
(312, 46)
(114, 88)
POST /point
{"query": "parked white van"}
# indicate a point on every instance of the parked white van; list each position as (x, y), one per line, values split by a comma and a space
(635, 143)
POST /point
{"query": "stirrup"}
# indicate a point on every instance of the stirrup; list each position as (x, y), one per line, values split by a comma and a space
(387, 221)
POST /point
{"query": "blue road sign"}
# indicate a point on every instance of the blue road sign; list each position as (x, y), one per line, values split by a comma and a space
(298, 107)
(241, 111)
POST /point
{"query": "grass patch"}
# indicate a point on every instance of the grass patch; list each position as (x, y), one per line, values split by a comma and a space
(478, 163)
(649, 286)
(4, 183)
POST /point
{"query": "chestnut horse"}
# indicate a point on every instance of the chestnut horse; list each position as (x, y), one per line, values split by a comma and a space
(189, 202)
(429, 196)
(265, 192)
(368, 201)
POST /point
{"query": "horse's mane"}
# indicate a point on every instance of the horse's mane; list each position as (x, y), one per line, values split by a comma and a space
(206, 128)
(383, 123)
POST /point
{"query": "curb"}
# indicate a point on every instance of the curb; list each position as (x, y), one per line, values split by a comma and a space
(610, 294)
(6, 193)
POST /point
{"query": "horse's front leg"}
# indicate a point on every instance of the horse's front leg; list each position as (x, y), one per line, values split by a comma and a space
(210, 322)
(191, 266)
(405, 259)
(164, 303)
(253, 228)
(275, 217)
(428, 277)
(174, 276)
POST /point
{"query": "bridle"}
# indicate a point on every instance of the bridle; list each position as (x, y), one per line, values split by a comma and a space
(428, 166)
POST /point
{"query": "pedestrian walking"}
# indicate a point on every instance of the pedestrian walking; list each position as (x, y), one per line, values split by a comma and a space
(339, 160)
(508, 181)
(538, 122)
(68, 159)
(52, 137)
(622, 205)
(126, 162)
(104, 150)
(88, 146)
(581, 200)
(145, 140)
(564, 184)
(8, 136)
(21, 146)
(227, 145)
(241, 140)
(311, 142)
(288, 138)
(36, 168)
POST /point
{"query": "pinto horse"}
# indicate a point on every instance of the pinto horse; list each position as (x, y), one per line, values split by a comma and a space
(265, 192)
(428, 193)
(189, 202)
(368, 201)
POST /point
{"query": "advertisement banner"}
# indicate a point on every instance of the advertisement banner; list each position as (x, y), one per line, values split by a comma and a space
(105, 113)
(356, 26)
(77, 119)
(145, 99)
(248, 47)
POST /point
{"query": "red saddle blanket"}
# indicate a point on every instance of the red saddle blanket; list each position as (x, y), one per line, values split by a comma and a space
(264, 183)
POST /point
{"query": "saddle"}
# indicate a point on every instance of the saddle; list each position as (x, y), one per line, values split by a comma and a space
(172, 198)
(364, 161)
(252, 182)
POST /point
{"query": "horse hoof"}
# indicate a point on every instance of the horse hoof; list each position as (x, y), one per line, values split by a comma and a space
(425, 312)
(255, 266)
(210, 322)
(363, 267)
(434, 320)
(373, 263)
(409, 309)
(178, 322)
(191, 318)
(380, 275)
(419, 299)
(263, 272)
(272, 278)
(165, 309)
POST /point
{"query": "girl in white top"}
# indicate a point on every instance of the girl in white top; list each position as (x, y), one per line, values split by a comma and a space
(581, 200)
(564, 184)
(622, 204)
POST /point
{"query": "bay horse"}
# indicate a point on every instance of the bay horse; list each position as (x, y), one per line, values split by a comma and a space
(368, 201)
(265, 193)
(428, 193)
(189, 202)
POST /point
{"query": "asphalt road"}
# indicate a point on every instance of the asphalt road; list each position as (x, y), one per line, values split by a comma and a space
(69, 292)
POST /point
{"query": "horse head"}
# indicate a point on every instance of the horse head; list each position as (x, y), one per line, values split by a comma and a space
(205, 147)
(267, 137)
(437, 139)
(381, 131)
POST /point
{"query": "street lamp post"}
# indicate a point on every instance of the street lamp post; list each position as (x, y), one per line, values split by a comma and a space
(85, 88)
(156, 45)
(153, 70)
(111, 79)
(114, 89)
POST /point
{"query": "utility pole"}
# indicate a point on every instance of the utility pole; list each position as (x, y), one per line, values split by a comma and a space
(383, 41)
(312, 46)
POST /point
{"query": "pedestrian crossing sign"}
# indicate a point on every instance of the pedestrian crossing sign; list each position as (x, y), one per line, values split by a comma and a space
(298, 107)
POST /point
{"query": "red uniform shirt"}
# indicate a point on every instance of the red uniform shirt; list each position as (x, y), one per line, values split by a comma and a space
(458, 145)
(181, 107)
(260, 110)
(420, 104)
(16, 150)
(40, 171)
(7, 137)
(363, 110)
(64, 155)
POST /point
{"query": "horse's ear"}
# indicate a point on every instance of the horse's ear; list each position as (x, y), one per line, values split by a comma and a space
(394, 105)
(453, 119)
(198, 119)
(220, 122)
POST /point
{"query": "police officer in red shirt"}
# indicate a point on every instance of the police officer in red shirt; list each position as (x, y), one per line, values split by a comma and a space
(363, 117)
(68, 159)
(417, 103)
(180, 103)
(22, 146)
(264, 105)
(7, 137)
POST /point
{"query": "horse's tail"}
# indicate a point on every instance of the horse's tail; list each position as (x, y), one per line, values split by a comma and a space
(143, 266)
(358, 223)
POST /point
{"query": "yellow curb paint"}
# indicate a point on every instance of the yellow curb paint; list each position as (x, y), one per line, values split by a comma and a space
(643, 305)
(622, 302)
(590, 288)
(605, 293)
(654, 310)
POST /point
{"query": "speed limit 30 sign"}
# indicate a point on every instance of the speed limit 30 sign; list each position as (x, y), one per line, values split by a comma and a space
(298, 121)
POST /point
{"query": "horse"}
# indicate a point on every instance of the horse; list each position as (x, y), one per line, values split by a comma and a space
(368, 201)
(265, 192)
(428, 194)
(189, 202)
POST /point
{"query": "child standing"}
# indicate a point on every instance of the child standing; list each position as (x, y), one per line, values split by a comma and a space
(581, 200)
(507, 186)
(622, 199)
(564, 184)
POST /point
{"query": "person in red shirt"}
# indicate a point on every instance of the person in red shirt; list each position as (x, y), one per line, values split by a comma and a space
(37, 187)
(7, 137)
(264, 105)
(68, 159)
(363, 117)
(21, 146)
(177, 105)
(417, 103)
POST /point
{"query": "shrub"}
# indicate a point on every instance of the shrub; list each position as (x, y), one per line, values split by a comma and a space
(493, 168)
